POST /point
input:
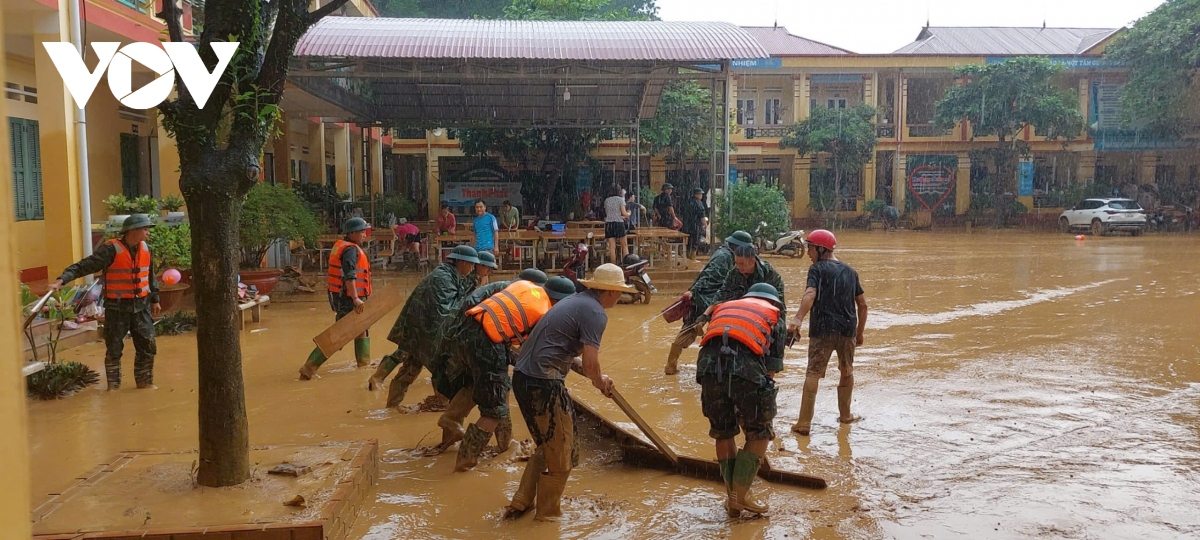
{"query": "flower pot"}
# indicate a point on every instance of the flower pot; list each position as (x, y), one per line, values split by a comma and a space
(117, 221)
(170, 295)
(174, 217)
(263, 279)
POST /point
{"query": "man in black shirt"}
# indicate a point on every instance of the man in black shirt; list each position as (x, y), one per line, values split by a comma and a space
(664, 207)
(695, 218)
(839, 316)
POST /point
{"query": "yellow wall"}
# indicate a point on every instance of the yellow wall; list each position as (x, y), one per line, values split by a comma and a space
(14, 445)
(104, 147)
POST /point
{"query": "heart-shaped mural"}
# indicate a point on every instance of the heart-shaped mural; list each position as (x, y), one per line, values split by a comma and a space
(931, 185)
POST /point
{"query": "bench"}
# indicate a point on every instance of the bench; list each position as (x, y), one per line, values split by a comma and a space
(255, 307)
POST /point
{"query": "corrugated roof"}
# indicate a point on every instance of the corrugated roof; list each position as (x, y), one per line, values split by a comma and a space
(1004, 41)
(533, 40)
(779, 42)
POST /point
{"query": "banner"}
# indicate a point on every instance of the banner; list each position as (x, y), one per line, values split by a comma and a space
(931, 184)
(493, 193)
(1025, 179)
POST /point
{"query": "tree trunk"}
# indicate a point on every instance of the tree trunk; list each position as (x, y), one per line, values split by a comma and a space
(1005, 175)
(211, 189)
(837, 187)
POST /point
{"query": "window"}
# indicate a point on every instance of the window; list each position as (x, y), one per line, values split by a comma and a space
(131, 166)
(745, 112)
(26, 168)
(773, 112)
(837, 103)
(1124, 205)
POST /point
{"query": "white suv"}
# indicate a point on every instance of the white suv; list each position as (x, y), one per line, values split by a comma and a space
(1101, 216)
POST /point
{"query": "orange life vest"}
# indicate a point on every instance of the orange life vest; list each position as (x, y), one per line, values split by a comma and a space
(509, 315)
(362, 275)
(126, 278)
(747, 320)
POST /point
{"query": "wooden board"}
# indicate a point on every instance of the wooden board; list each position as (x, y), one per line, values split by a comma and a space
(645, 427)
(351, 326)
(707, 469)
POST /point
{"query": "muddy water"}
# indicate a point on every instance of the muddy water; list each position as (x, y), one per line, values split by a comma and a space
(1014, 385)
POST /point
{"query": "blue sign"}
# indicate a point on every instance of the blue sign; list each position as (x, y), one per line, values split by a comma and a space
(1069, 62)
(836, 78)
(732, 179)
(1025, 179)
(583, 180)
(756, 63)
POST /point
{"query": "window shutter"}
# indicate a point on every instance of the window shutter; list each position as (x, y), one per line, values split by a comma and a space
(16, 129)
(34, 182)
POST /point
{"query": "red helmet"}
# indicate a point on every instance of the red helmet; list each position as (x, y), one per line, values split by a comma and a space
(822, 238)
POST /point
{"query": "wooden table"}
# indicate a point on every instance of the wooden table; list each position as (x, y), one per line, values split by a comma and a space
(674, 242)
(569, 237)
(518, 245)
(325, 244)
(447, 242)
(585, 224)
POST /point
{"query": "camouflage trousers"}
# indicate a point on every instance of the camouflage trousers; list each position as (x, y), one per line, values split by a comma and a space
(118, 324)
(549, 414)
(475, 361)
(736, 402)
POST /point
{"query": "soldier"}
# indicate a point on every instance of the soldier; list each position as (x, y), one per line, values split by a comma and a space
(417, 331)
(703, 294)
(483, 270)
(349, 283)
(835, 298)
(573, 327)
(739, 357)
(130, 298)
(482, 341)
(748, 270)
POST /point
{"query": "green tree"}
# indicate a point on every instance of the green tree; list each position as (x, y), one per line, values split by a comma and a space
(581, 10)
(1162, 52)
(847, 135)
(752, 205)
(682, 126)
(219, 148)
(445, 9)
(552, 155)
(1001, 100)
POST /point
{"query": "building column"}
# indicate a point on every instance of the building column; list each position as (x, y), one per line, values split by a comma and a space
(1147, 162)
(797, 89)
(869, 179)
(900, 181)
(60, 168)
(316, 152)
(433, 182)
(805, 93)
(962, 184)
(1086, 172)
(658, 176)
(801, 178)
(341, 157)
(376, 160)
(14, 450)
(869, 93)
(281, 148)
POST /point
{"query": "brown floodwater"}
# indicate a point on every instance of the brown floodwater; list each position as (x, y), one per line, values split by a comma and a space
(1013, 385)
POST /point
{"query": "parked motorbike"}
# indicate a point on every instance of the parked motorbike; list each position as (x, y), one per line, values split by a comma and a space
(788, 244)
(576, 266)
(1171, 218)
(636, 275)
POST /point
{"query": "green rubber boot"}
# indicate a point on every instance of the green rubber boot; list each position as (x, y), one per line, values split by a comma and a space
(745, 468)
(504, 433)
(472, 445)
(309, 369)
(362, 351)
(386, 366)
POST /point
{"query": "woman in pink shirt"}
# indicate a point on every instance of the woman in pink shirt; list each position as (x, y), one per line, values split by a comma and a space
(408, 235)
(445, 221)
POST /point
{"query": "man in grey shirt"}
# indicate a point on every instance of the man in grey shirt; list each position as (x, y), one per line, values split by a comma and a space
(572, 328)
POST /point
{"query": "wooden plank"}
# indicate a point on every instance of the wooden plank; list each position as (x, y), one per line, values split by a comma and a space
(337, 336)
(644, 426)
(707, 469)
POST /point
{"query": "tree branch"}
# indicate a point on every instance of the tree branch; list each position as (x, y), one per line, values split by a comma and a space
(174, 19)
(324, 10)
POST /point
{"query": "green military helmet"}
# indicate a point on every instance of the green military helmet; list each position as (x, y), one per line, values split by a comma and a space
(667, 186)
(765, 291)
(559, 287)
(533, 275)
(488, 260)
(354, 225)
(740, 238)
(464, 253)
(136, 221)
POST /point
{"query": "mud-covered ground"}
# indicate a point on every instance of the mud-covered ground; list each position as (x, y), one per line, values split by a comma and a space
(1014, 385)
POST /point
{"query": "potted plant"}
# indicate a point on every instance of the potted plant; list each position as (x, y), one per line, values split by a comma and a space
(271, 214)
(171, 204)
(119, 208)
(171, 249)
(145, 204)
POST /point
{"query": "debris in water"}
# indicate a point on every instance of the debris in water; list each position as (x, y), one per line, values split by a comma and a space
(289, 469)
(523, 450)
(433, 403)
(297, 501)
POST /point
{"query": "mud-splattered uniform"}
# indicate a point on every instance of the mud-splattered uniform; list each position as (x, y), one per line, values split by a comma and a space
(736, 387)
(736, 284)
(123, 315)
(704, 291)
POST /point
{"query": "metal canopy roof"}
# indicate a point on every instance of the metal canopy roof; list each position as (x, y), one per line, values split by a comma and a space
(400, 72)
(1002, 41)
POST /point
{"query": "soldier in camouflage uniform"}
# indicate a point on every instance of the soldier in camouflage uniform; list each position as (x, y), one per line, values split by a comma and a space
(130, 298)
(417, 332)
(748, 270)
(483, 270)
(703, 293)
(739, 357)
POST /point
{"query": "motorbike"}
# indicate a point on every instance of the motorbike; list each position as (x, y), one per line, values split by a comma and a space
(1171, 218)
(636, 275)
(788, 244)
(576, 266)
